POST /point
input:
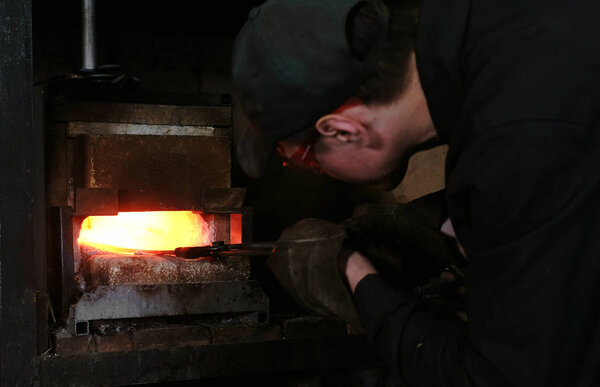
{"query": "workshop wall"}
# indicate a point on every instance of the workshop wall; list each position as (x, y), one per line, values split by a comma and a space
(425, 174)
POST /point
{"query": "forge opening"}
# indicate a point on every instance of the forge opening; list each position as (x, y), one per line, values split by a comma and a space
(146, 231)
(136, 248)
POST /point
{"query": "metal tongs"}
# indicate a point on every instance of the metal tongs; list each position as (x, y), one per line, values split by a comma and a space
(219, 249)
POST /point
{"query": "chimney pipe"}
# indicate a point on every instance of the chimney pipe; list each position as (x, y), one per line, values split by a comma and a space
(88, 34)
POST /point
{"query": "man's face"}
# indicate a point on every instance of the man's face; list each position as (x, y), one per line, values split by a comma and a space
(366, 144)
(379, 167)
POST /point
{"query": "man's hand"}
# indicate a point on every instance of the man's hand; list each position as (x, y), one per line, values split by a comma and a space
(403, 241)
(357, 267)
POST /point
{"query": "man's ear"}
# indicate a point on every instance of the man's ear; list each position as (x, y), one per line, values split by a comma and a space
(342, 128)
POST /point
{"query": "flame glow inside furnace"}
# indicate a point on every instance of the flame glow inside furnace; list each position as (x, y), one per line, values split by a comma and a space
(156, 230)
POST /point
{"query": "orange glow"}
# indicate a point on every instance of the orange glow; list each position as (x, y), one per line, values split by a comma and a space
(235, 228)
(161, 230)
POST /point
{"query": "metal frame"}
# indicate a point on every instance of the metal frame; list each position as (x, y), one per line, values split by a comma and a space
(22, 256)
(60, 260)
(137, 301)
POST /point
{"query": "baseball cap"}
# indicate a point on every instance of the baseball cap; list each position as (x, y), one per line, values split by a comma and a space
(292, 63)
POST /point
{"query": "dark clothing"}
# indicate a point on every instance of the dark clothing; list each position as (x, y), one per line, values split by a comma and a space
(514, 88)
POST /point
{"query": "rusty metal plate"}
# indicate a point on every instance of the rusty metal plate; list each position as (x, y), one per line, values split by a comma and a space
(223, 200)
(57, 174)
(96, 201)
(140, 113)
(153, 172)
(78, 128)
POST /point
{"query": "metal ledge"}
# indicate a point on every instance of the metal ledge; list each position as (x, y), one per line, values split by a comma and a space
(206, 361)
(135, 301)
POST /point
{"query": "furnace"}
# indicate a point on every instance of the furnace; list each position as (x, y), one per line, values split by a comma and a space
(131, 179)
(128, 183)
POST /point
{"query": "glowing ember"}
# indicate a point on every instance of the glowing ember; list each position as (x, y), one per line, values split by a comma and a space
(162, 230)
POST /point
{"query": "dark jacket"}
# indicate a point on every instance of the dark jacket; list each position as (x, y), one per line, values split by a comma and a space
(514, 88)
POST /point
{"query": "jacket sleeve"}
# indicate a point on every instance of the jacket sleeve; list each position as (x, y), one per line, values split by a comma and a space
(523, 199)
(410, 338)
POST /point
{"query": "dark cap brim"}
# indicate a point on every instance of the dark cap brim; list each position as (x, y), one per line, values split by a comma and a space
(252, 148)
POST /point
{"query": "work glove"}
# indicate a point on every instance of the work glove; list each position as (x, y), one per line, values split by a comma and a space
(404, 240)
(305, 263)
